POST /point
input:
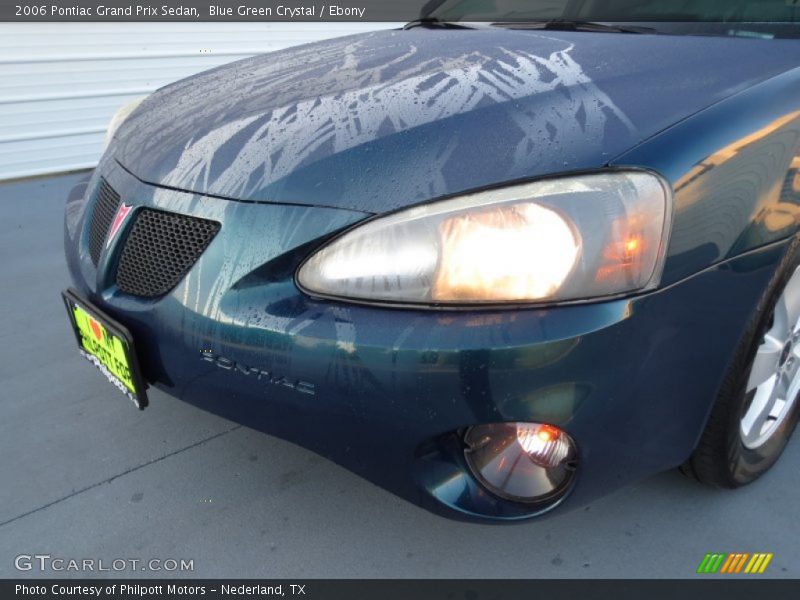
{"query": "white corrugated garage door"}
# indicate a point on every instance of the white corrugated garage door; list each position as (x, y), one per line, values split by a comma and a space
(61, 83)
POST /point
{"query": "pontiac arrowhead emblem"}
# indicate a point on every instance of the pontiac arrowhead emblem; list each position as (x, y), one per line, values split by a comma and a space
(116, 224)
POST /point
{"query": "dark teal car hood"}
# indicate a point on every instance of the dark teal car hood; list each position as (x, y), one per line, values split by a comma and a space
(379, 121)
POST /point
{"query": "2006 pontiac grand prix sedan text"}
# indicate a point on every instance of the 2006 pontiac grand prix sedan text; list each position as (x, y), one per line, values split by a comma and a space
(495, 267)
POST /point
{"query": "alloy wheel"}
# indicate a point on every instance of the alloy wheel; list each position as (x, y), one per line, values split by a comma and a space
(774, 382)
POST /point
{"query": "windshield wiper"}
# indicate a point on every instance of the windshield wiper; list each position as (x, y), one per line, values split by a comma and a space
(561, 25)
(435, 23)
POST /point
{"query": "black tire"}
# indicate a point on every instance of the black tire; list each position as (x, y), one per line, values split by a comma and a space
(721, 459)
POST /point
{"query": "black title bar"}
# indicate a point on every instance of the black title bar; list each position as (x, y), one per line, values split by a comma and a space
(705, 587)
(377, 11)
(210, 10)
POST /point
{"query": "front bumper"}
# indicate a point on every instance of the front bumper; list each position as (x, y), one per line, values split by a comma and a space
(384, 391)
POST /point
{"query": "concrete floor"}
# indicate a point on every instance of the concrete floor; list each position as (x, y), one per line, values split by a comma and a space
(84, 475)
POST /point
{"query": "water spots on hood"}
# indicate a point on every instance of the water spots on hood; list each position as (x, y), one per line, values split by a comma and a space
(289, 137)
(378, 121)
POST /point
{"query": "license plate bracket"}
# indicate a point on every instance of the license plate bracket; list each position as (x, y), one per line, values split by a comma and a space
(108, 345)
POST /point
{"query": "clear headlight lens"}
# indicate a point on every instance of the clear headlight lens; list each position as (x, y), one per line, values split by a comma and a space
(562, 239)
(119, 117)
(525, 462)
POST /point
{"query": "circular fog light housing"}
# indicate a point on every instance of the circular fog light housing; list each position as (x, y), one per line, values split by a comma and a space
(523, 462)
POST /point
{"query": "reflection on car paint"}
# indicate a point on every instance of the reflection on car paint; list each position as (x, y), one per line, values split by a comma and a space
(285, 139)
(377, 121)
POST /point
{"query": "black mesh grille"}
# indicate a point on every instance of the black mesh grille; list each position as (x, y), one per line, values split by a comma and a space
(159, 251)
(105, 207)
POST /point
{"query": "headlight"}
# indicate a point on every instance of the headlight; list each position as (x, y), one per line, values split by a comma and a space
(524, 462)
(554, 240)
(119, 117)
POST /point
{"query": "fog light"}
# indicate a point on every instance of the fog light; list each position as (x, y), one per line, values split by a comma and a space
(524, 462)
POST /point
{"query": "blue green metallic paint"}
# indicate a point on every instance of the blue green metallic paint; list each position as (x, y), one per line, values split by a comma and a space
(632, 380)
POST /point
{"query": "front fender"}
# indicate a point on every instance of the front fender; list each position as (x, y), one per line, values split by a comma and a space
(735, 171)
